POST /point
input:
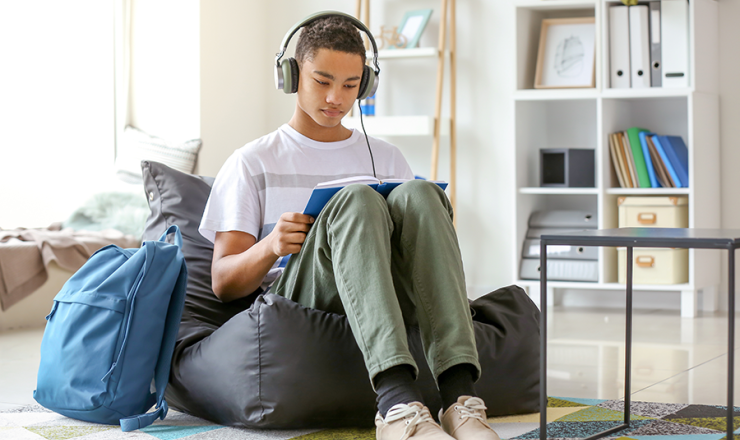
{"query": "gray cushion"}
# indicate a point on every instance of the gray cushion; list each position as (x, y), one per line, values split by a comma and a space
(267, 362)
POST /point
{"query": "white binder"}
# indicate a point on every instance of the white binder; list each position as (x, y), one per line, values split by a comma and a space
(656, 75)
(675, 37)
(639, 46)
(619, 47)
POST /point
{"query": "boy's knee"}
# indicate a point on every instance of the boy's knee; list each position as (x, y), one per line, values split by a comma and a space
(358, 190)
(422, 188)
(421, 191)
(419, 196)
(359, 198)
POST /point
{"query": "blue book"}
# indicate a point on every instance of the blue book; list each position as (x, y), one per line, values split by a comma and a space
(678, 155)
(326, 190)
(666, 161)
(648, 161)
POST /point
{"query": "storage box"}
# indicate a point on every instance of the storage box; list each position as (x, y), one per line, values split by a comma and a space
(567, 167)
(654, 266)
(658, 212)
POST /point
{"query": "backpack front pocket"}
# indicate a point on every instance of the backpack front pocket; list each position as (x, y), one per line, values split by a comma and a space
(77, 351)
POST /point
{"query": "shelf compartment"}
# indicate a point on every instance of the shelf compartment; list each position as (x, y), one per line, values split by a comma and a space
(526, 204)
(398, 125)
(529, 16)
(551, 124)
(668, 115)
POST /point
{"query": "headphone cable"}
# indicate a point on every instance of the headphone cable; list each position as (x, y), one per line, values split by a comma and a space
(359, 106)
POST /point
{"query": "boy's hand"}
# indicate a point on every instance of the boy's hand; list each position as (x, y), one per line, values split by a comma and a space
(290, 233)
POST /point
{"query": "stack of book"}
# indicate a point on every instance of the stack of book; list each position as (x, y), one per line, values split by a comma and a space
(643, 159)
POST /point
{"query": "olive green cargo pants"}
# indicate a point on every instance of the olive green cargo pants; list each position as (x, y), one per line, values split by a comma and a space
(387, 263)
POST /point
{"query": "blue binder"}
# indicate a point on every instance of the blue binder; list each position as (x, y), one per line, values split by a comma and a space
(664, 156)
(648, 160)
(678, 155)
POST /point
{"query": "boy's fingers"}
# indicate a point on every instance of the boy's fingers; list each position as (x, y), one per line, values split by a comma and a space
(297, 217)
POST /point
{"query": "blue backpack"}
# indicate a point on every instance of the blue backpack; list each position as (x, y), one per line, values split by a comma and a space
(111, 330)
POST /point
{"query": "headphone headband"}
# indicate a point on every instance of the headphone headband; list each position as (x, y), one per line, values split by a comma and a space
(316, 16)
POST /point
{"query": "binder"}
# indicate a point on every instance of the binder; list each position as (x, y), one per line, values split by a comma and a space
(648, 160)
(678, 155)
(561, 270)
(640, 167)
(531, 249)
(667, 162)
(569, 219)
(664, 179)
(619, 47)
(656, 75)
(674, 31)
(628, 156)
(625, 159)
(639, 46)
(617, 162)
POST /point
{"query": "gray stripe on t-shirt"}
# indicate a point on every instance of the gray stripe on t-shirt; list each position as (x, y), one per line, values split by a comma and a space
(274, 180)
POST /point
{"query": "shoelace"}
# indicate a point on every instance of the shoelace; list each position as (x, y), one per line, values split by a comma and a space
(402, 411)
(470, 407)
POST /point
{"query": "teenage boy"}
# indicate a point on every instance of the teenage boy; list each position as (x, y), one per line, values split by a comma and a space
(379, 262)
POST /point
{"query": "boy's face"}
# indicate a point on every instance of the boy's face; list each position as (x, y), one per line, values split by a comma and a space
(328, 86)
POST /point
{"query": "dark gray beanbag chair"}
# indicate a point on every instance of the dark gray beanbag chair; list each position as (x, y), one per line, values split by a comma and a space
(267, 362)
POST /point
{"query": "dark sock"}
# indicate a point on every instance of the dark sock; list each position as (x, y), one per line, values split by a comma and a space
(454, 382)
(396, 385)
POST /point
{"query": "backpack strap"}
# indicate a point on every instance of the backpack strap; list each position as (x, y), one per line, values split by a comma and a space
(164, 362)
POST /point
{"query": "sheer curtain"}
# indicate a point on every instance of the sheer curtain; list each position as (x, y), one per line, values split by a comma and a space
(58, 114)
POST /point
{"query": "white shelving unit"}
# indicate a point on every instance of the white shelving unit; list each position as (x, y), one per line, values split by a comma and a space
(584, 118)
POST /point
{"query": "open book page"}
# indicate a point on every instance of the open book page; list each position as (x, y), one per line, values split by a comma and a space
(341, 183)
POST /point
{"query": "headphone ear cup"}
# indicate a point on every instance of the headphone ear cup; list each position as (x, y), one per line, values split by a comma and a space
(294, 74)
(366, 83)
(289, 67)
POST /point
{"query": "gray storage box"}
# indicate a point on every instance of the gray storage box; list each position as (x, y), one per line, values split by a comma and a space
(567, 167)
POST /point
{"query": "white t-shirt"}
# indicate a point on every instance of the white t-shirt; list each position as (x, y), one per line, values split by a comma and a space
(276, 174)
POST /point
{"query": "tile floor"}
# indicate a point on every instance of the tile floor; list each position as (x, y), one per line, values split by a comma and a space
(675, 360)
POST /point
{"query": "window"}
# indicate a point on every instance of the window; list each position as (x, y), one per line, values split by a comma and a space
(56, 107)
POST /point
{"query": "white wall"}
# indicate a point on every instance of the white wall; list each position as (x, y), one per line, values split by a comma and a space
(729, 101)
(235, 78)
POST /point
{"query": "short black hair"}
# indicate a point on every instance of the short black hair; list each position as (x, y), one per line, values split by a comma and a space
(333, 32)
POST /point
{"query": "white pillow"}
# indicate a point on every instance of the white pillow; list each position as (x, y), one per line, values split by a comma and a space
(136, 146)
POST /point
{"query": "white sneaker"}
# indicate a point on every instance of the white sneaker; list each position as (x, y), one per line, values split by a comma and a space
(408, 421)
(466, 420)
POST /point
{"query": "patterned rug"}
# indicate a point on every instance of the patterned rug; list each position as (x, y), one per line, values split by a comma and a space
(567, 418)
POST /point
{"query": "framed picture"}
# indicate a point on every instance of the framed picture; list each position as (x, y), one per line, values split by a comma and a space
(412, 26)
(566, 53)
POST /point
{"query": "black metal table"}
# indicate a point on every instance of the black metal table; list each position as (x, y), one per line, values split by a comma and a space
(728, 239)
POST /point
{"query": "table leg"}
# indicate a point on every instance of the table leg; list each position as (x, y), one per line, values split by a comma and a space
(628, 341)
(543, 340)
(730, 341)
(627, 354)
